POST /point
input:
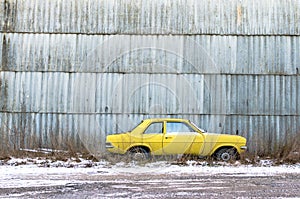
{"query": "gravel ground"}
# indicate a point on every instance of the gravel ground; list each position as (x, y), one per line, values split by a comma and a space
(166, 186)
(39, 178)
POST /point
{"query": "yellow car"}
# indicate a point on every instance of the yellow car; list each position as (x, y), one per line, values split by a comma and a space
(171, 136)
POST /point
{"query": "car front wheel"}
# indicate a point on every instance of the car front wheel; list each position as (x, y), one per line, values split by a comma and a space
(226, 154)
(138, 154)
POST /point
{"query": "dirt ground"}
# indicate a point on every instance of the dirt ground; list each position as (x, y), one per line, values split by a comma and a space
(164, 186)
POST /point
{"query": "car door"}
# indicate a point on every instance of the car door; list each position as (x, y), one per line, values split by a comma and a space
(181, 138)
(153, 136)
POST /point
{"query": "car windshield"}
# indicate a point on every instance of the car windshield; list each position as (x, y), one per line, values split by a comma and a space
(136, 125)
(202, 130)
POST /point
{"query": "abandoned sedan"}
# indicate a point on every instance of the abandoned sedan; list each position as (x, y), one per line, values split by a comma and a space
(171, 136)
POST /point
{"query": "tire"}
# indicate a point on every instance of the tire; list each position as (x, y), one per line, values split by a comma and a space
(138, 154)
(226, 154)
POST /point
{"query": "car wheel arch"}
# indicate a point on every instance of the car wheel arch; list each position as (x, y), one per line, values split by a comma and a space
(145, 147)
(215, 152)
(228, 146)
(139, 153)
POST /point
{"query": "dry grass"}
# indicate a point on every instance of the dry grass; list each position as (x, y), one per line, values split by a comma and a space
(63, 149)
(56, 150)
(288, 152)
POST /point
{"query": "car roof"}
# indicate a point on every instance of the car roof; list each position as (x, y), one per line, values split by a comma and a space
(165, 119)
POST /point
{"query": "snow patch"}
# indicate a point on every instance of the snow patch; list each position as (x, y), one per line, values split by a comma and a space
(36, 172)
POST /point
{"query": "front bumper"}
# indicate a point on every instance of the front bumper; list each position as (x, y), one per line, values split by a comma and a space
(244, 148)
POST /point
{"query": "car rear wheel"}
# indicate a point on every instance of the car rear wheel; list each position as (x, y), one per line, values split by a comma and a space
(138, 154)
(226, 154)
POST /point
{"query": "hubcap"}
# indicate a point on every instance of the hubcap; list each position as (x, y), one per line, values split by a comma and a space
(225, 156)
(138, 156)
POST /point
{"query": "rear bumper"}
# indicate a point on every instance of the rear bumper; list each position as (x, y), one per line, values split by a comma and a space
(111, 148)
(108, 145)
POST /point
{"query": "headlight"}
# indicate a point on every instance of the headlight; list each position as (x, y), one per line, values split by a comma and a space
(108, 145)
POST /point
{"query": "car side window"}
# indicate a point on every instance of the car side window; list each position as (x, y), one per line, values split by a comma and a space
(155, 128)
(178, 127)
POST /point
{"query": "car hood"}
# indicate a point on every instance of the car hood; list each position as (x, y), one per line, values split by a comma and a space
(121, 137)
(214, 137)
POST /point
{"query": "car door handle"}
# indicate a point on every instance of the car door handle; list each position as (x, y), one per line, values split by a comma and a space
(168, 137)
